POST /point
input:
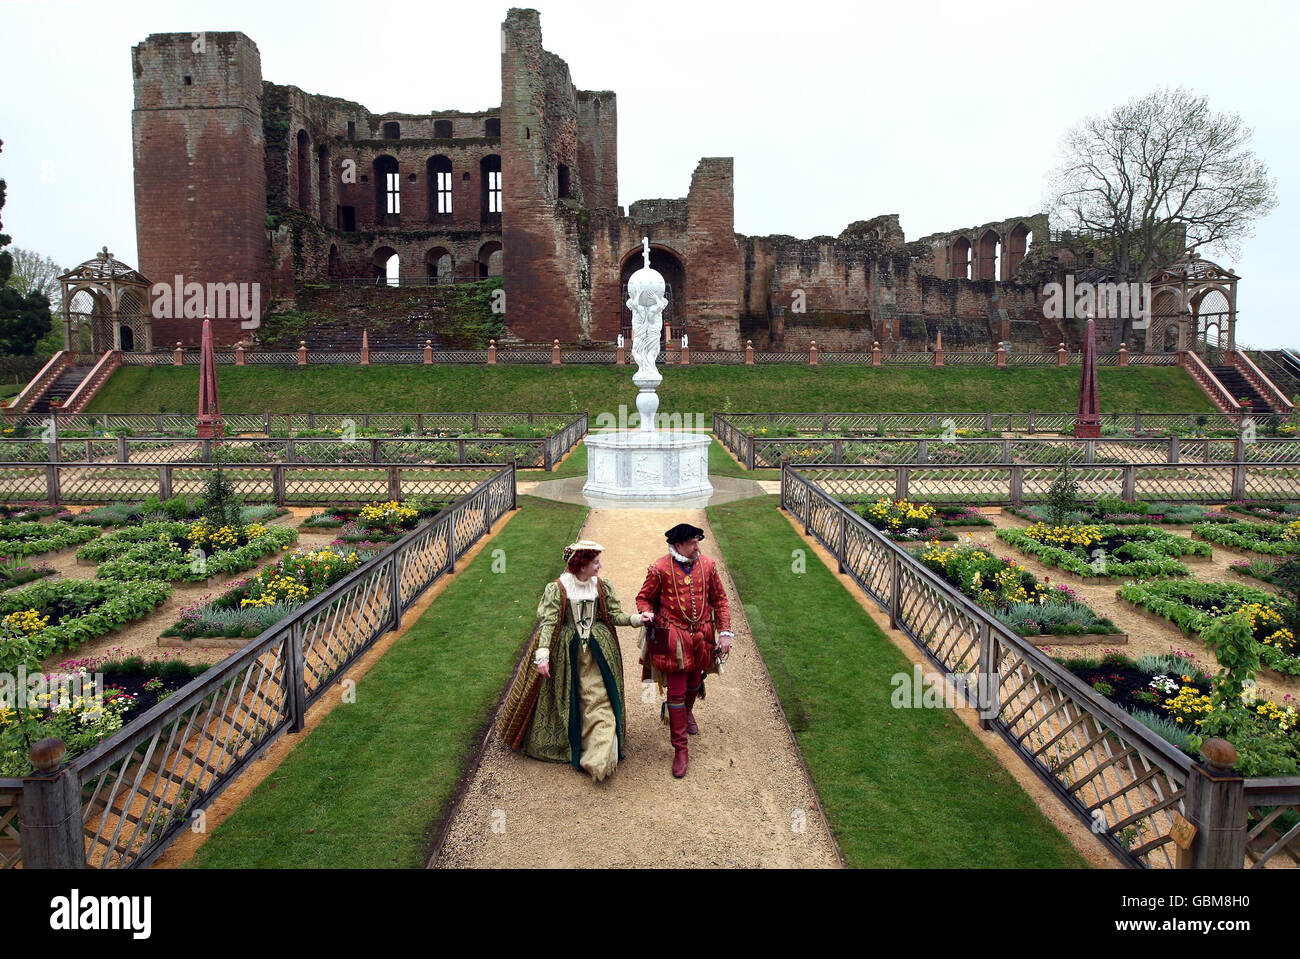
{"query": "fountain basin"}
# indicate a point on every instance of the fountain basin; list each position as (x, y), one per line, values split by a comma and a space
(642, 464)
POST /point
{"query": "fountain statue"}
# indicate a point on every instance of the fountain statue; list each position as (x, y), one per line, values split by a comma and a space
(648, 462)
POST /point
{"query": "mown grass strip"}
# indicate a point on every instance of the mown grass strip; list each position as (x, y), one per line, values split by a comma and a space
(368, 787)
(901, 788)
(686, 390)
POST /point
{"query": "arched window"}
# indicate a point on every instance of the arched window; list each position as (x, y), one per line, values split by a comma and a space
(392, 130)
(438, 266)
(304, 172)
(1017, 245)
(388, 188)
(492, 127)
(322, 182)
(959, 259)
(986, 258)
(491, 170)
(387, 265)
(439, 179)
(489, 260)
(442, 129)
(562, 180)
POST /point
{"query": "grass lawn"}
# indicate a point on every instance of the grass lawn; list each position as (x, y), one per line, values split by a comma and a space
(901, 788)
(369, 786)
(685, 390)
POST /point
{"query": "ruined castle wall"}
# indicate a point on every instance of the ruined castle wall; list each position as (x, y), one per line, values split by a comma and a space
(539, 126)
(200, 182)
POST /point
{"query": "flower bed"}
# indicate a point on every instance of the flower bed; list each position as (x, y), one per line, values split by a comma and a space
(1264, 570)
(83, 721)
(1193, 606)
(24, 512)
(905, 521)
(252, 605)
(1013, 594)
(1105, 549)
(13, 573)
(1274, 539)
(31, 539)
(39, 620)
(1174, 697)
(367, 524)
(1120, 513)
(1274, 512)
(187, 552)
(176, 509)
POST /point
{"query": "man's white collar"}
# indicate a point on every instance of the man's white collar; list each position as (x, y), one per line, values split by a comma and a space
(679, 557)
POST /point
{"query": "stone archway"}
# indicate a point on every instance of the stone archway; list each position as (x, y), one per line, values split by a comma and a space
(668, 263)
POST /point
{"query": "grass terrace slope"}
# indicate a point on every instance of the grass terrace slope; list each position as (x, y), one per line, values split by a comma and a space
(409, 389)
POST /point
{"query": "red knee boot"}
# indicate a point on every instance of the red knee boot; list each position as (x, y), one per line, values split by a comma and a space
(691, 692)
(677, 736)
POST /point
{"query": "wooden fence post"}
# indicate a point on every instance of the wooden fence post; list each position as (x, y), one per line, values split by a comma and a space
(395, 589)
(395, 483)
(1173, 449)
(49, 811)
(1017, 490)
(165, 481)
(122, 452)
(1130, 483)
(1239, 481)
(895, 590)
(451, 543)
(277, 484)
(297, 680)
(986, 678)
(922, 452)
(1216, 805)
(52, 484)
(900, 482)
(843, 546)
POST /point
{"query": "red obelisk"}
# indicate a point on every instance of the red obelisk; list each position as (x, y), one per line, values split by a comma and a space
(210, 423)
(1087, 420)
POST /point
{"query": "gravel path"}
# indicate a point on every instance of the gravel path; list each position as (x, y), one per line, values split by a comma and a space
(735, 807)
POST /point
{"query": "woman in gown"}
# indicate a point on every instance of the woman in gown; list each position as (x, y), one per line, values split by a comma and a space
(567, 704)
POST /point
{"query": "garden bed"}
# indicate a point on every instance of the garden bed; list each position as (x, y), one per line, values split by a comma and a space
(14, 574)
(35, 539)
(1269, 539)
(1174, 697)
(112, 692)
(1271, 511)
(372, 524)
(176, 509)
(42, 619)
(253, 605)
(1041, 612)
(907, 522)
(1096, 552)
(185, 552)
(1193, 606)
(1120, 513)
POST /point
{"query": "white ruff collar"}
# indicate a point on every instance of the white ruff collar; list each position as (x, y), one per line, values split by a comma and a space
(680, 558)
(575, 589)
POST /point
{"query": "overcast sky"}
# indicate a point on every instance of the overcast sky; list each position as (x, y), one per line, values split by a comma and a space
(949, 114)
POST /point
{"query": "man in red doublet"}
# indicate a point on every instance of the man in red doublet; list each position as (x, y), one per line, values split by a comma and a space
(684, 592)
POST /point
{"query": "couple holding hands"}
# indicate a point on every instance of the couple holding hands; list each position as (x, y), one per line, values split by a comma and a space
(567, 702)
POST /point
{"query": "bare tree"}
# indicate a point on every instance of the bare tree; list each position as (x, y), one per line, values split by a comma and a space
(34, 273)
(1157, 178)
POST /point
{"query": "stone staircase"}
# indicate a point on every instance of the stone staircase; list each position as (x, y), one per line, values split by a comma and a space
(64, 386)
(1240, 388)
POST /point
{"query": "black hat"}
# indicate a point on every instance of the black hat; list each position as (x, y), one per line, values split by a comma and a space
(682, 532)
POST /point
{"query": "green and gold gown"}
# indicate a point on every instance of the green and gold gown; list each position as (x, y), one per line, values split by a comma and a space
(580, 716)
